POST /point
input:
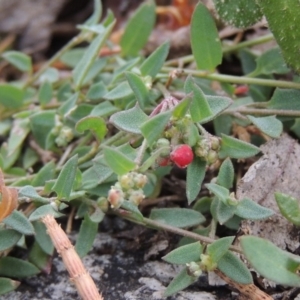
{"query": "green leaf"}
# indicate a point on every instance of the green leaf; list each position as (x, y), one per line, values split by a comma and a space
(65, 180)
(221, 211)
(86, 236)
(41, 125)
(68, 106)
(231, 147)
(18, 59)
(217, 104)
(289, 207)
(47, 172)
(29, 191)
(17, 268)
(11, 97)
(184, 254)
(232, 266)
(18, 134)
(7, 285)
(45, 93)
(177, 217)
(139, 88)
(8, 238)
(50, 74)
(205, 42)
(219, 191)
(124, 66)
(283, 19)
(103, 109)
(89, 57)
(238, 13)
(248, 209)
(96, 124)
(43, 238)
(268, 125)
(199, 108)
(39, 258)
(270, 261)
(194, 178)
(121, 91)
(18, 221)
(180, 282)
(95, 70)
(97, 91)
(129, 120)
(153, 127)
(217, 249)
(226, 174)
(182, 107)
(286, 99)
(44, 210)
(270, 62)
(96, 16)
(118, 162)
(138, 29)
(129, 206)
(154, 62)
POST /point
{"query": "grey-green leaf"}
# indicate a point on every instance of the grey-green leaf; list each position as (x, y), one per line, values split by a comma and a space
(180, 282)
(226, 174)
(178, 217)
(248, 209)
(65, 180)
(234, 148)
(86, 236)
(90, 56)
(138, 29)
(268, 125)
(158, 123)
(18, 59)
(154, 62)
(270, 261)
(217, 249)
(18, 221)
(206, 45)
(234, 268)
(184, 254)
(8, 238)
(194, 178)
(129, 120)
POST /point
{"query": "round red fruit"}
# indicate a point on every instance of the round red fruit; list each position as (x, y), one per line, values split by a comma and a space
(182, 155)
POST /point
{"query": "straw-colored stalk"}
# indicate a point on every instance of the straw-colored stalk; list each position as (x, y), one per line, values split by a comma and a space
(81, 278)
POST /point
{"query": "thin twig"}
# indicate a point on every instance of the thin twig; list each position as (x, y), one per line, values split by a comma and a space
(184, 232)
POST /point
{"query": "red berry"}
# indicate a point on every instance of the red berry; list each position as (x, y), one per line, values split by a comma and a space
(241, 90)
(182, 155)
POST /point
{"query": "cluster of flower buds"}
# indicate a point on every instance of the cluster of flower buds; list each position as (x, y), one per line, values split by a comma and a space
(194, 269)
(64, 134)
(129, 187)
(207, 148)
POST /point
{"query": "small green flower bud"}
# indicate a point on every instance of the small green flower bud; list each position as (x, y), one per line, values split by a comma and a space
(212, 156)
(102, 203)
(194, 269)
(140, 180)
(126, 181)
(215, 143)
(206, 263)
(136, 196)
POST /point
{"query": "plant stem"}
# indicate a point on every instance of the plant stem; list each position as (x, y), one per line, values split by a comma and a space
(238, 79)
(260, 40)
(264, 112)
(184, 232)
(73, 42)
(227, 49)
